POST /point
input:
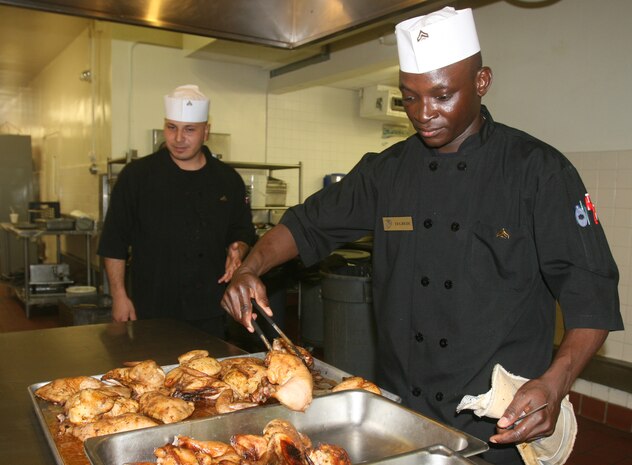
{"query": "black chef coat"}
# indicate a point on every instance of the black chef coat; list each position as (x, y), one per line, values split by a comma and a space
(471, 251)
(178, 224)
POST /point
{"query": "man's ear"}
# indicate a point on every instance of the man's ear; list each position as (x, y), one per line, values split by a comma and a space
(484, 78)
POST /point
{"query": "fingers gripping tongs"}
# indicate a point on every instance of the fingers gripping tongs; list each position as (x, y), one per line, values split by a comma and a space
(263, 337)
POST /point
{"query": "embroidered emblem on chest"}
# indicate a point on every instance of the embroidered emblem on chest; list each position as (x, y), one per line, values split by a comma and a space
(502, 233)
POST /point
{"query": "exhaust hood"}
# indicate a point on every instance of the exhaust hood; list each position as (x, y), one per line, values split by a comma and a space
(285, 24)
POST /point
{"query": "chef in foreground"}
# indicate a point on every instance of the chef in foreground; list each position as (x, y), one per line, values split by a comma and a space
(479, 229)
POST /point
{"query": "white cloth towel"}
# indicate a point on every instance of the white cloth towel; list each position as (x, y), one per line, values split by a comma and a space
(551, 450)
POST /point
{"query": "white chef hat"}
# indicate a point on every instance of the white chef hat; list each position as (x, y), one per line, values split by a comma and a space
(187, 104)
(438, 39)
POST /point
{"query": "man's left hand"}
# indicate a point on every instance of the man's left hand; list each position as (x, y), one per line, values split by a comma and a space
(234, 255)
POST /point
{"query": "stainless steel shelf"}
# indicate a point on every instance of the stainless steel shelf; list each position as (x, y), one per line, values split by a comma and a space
(24, 293)
(262, 166)
(269, 168)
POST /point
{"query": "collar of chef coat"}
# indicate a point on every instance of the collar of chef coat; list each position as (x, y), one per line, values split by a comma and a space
(476, 140)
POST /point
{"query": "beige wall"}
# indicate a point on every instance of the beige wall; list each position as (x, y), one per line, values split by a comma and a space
(562, 72)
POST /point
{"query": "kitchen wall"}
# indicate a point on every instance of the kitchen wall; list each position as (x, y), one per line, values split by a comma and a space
(554, 77)
(318, 127)
(562, 72)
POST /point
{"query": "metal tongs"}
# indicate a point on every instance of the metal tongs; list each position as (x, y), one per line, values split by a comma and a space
(263, 337)
(525, 415)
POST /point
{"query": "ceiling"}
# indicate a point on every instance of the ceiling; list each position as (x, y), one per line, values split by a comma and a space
(31, 38)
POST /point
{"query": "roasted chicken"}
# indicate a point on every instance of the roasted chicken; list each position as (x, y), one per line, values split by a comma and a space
(109, 425)
(280, 444)
(165, 408)
(89, 404)
(140, 377)
(200, 361)
(59, 390)
(328, 454)
(292, 380)
(356, 382)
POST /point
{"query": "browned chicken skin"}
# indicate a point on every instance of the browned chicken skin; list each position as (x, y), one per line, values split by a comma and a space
(252, 448)
(280, 344)
(125, 422)
(89, 404)
(200, 361)
(59, 390)
(140, 377)
(356, 382)
(328, 454)
(280, 444)
(285, 444)
(165, 408)
(294, 382)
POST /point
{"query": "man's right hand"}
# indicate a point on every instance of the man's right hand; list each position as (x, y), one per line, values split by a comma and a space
(245, 285)
(275, 247)
(123, 309)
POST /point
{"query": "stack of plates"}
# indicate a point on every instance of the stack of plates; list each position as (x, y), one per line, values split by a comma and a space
(81, 290)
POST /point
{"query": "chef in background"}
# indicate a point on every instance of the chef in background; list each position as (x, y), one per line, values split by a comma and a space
(479, 229)
(184, 216)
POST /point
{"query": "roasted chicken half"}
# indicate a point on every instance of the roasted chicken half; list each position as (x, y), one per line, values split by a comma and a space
(140, 377)
(109, 425)
(165, 408)
(356, 382)
(292, 380)
(280, 444)
(59, 390)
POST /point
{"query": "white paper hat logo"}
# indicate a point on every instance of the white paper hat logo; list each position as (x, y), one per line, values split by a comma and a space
(189, 103)
(422, 35)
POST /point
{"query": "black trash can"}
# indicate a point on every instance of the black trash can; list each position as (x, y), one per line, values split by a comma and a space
(349, 330)
(311, 319)
(85, 310)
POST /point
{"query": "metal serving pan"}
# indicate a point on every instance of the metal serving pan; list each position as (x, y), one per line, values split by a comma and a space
(372, 429)
(47, 412)
(433, 455)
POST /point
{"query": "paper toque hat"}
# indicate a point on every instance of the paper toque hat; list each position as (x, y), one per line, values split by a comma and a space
(438, 39)
(187, 104)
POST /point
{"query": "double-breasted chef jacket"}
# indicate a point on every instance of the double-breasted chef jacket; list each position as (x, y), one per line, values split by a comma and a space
(178, 225)
(471, 251)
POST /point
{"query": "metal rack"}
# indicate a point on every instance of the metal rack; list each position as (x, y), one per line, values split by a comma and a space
(270, 168)
(24, 292)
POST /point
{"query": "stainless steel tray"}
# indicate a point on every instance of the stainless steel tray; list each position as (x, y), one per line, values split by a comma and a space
(372, 428)
(433, 455)
(46, 412)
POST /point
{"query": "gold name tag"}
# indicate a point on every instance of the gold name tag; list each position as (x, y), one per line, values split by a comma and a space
(398, 223)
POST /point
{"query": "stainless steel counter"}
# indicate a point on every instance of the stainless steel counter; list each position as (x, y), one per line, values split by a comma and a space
(30, 357)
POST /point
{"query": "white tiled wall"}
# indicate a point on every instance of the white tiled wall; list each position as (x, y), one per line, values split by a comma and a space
(608, 178)
(319, 127)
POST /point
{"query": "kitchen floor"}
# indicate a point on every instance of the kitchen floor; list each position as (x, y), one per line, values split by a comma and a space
(596, 444)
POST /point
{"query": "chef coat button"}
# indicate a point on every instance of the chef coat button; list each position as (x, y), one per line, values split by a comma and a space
(427, 223)
(439, 396)
(455, 226)
(425, 281)
(433, 166)
(443, 343)
(447, 284)
(419, 337)
(200, 255)
(462, 166)
(416, 391)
